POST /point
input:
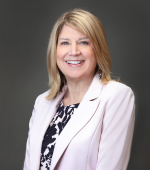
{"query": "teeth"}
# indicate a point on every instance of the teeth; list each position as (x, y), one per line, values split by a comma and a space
(74, 62)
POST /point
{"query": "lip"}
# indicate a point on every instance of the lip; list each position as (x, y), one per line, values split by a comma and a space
(74, 63)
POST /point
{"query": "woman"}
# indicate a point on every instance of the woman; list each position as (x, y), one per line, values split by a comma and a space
(85, 121)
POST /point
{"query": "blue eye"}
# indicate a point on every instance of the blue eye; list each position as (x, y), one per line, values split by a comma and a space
(84, 42)
(64, 43)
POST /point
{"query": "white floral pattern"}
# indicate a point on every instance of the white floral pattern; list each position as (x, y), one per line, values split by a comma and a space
(56, 126)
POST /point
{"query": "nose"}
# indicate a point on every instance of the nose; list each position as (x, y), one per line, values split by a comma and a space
(74, 50)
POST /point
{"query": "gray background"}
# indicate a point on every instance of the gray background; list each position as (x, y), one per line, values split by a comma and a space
(25, 27)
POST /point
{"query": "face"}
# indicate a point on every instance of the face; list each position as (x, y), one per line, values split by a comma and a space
(75, 55)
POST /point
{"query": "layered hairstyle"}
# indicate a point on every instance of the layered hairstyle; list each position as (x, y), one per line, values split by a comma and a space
(90, 26)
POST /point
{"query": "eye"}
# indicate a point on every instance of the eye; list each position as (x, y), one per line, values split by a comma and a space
(65, 43)
(84, 42)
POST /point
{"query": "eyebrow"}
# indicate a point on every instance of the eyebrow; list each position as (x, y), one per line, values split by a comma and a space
(83, 38)
(68, 39)
(63, 39)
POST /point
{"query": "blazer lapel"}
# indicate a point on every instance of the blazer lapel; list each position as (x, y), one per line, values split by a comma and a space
(80, 118)
(44, 115)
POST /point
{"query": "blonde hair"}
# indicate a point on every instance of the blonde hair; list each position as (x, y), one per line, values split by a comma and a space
(89, 25)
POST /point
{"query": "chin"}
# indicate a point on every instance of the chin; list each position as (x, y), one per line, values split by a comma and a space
(74, 76)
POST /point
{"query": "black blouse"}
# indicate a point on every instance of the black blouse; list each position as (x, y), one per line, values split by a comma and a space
(56, 126)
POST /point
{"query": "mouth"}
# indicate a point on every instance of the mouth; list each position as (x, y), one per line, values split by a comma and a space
(74, 62)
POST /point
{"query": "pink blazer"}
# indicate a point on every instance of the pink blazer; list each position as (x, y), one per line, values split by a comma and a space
(97, 137)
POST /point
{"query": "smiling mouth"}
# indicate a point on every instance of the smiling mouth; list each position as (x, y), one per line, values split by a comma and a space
(75, 62)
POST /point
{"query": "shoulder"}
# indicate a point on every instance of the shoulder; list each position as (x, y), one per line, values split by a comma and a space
(117, 89)
(40, 102)
(42, 98)
(114, 86)
(117, 99)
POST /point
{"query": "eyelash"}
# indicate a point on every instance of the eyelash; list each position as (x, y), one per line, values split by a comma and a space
(82, 42)
(64, 43)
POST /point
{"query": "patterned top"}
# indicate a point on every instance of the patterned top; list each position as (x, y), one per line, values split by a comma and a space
(56, 126)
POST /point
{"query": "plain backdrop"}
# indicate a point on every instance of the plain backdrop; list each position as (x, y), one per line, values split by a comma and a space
(25, 27)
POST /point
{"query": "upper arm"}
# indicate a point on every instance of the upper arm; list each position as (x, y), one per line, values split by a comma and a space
(27, 153)
(117, 130)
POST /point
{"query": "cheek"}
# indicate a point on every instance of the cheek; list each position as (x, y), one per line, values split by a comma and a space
(88, 52)
(92, 59)
(59, 59)
(61, 52)
(59, 63)
(90, 55)
(58, 54)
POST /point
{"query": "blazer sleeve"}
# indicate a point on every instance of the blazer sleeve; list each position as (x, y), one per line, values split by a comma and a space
(27, 153)
(117, 130)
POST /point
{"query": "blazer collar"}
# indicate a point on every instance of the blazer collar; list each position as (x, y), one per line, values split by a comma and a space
(44, 114)
(94, 89)
(80, 118)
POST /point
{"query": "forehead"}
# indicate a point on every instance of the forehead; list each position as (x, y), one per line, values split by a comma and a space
(69, 32)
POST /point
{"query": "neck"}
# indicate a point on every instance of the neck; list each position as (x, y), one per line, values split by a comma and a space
(76, 90)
